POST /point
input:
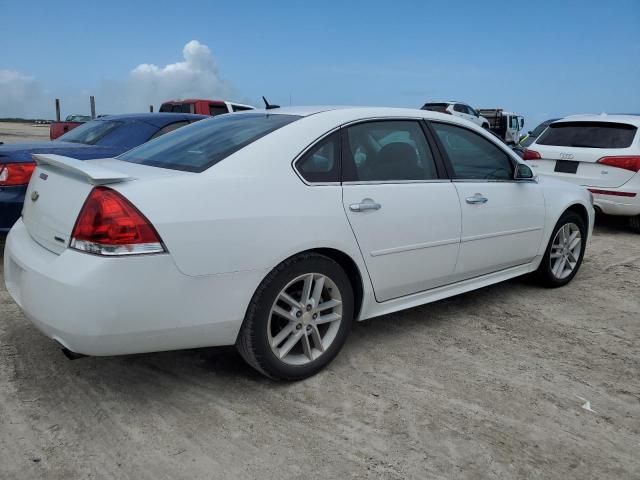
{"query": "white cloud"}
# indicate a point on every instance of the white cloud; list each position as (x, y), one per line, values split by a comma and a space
(196, 75)
(19, 94)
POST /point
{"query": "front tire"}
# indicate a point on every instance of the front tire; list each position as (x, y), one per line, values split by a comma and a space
(298, 318)
(565, 251)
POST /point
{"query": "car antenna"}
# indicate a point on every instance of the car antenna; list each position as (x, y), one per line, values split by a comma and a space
(267, 105)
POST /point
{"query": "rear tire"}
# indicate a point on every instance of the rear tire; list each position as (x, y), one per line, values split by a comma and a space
(634, 223)
(286, 333)
(563, 257)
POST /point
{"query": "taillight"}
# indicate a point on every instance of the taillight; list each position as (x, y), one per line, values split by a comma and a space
(13, 174)
(530, 155)
(628, 162)
(109, 224)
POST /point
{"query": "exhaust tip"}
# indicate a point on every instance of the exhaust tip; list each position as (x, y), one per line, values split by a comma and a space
(72, 355)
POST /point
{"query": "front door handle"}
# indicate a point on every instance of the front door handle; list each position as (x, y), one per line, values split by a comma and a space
(366, 204)
(476, 199)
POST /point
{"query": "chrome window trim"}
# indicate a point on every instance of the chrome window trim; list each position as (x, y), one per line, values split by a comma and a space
(395, 182)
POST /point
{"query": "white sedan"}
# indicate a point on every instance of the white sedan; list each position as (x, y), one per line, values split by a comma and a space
(275, 230)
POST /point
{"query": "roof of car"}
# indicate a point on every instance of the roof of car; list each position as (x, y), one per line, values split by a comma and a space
(603, 117)
(350, 113)
(193, 100)
(158, 119)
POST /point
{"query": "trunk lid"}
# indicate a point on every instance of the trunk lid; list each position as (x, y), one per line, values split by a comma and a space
(59, 187)
(588, 172)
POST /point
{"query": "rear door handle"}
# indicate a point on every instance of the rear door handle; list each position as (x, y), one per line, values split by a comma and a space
(476, 199)
(367, 204)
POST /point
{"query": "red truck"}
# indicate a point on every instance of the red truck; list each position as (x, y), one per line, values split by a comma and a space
(203, 107)
(72, 121)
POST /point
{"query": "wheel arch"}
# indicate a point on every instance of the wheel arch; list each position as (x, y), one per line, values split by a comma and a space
(580, 210)
(350, 267)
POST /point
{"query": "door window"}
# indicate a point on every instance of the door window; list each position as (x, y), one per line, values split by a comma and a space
(458, 107)
(387, 151)
(472, 156)
(321, 163)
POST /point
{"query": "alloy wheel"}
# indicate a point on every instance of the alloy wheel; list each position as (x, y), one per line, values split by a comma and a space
(565, 250)
(304, 319)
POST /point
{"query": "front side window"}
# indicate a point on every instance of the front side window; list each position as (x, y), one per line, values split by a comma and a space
(322, 162)
(472, 156)
(588, 135)
(90, 133)
(198, 146)
(387, 151)
(460, 108)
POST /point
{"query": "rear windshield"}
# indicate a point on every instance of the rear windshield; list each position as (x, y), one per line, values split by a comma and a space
(588, 135)
(198, 146)
(435, 107)
(90, 133)
(176, 108)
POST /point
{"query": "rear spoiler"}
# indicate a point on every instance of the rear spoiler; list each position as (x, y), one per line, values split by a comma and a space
(95, 174)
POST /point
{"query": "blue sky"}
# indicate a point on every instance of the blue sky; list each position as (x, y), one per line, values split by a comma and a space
(541, 59)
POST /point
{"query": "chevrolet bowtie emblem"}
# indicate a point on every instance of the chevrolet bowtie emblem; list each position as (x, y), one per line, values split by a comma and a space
(35, 196)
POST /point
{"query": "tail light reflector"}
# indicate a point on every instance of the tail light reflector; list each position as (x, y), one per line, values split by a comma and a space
(612, 192)
(109, 224)
(628, 162)
(14, 174)
(531, 155)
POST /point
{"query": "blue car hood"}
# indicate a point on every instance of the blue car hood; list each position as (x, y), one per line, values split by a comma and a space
(21, 152)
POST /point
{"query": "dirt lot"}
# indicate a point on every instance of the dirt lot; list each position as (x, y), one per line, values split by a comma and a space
(22, 132)
(486, 385)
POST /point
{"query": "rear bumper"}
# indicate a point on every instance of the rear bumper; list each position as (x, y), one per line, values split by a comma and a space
(618, 205)
(11, 200)
(110, 306)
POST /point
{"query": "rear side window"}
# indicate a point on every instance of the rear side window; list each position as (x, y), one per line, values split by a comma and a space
(217, 109)
(588, 135)
(387, 151)
(472, 156)
(322, 162)
(198, 146)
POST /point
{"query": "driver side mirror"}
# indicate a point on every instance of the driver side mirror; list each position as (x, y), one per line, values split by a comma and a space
(523, 172)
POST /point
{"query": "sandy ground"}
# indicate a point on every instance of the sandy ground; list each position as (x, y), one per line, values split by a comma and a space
(485, 385)
(22, 132)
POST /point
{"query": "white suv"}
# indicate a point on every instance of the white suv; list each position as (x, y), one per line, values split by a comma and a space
(601, 152)
(458, 109)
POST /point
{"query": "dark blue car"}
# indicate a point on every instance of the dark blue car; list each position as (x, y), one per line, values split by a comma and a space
(101, 138)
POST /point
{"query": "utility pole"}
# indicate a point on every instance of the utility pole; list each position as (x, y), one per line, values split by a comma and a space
(92, 101)
(57, 109)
